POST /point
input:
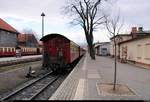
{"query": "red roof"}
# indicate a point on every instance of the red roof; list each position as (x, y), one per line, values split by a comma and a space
(5, 26)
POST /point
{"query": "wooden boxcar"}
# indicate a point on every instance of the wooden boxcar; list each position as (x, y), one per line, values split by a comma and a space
(59, 52)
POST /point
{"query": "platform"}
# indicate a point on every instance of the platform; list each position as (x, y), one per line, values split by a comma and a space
(90, 79)
(3, 59)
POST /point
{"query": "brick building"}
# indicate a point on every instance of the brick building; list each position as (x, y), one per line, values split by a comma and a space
(28, 43)
(27, 40)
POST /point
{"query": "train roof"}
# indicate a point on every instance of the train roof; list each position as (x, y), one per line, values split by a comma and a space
(51, 36)
(54, 35)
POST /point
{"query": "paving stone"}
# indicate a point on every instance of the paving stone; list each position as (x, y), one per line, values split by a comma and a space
(100, 71)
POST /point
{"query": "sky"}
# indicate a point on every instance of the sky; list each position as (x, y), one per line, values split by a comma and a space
(26, 14)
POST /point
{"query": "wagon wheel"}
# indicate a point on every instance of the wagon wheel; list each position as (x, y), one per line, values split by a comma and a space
(54, 67)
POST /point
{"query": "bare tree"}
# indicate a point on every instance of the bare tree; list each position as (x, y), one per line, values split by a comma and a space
(87, 14)
(113, 25)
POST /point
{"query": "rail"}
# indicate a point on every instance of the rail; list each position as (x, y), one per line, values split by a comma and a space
(32, 86)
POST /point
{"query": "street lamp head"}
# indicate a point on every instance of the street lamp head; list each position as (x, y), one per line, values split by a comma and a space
(42, 14)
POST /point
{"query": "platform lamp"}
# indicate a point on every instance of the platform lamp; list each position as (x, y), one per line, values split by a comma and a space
(42, 36)
(42, 23)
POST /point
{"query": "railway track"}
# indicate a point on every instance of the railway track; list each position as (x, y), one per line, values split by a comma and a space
(32, 90)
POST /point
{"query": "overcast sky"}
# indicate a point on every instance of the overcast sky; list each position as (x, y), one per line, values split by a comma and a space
(23, 14)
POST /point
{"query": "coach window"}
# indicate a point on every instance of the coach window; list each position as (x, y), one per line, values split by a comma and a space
(9, 50)
(14, 49)
(1, 49)
(5, 49)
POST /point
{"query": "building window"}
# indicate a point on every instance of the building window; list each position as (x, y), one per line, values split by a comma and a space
(104, 49)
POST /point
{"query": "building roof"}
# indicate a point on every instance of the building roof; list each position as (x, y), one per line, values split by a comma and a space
(5, 26)
(25, 37)
(51, 36)
(137, 38)
(101, 43)
(120, 35)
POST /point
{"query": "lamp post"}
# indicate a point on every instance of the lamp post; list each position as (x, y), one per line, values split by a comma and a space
(42, 36)
(42, 23)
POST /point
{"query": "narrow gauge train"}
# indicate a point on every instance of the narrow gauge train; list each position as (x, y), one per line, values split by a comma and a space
(11, 51)
(60, 52)
(7, 51)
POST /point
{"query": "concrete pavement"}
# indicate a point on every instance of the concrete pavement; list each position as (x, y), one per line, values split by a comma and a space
(91, 73)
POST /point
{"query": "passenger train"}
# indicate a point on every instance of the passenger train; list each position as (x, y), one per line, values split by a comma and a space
(60, 52)
(11, 51)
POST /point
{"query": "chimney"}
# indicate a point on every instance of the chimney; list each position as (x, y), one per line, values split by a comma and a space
(140, 29)
(134, 32)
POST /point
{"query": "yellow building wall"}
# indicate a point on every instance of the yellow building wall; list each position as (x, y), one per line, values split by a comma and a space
(137, 50)
(123, 38)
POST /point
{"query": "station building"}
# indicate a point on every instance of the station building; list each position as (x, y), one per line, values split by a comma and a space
(136, 50)
(8, 37)
(124, 37)
(133, 47)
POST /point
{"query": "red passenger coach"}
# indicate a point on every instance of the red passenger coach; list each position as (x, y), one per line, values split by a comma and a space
(59, 52)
